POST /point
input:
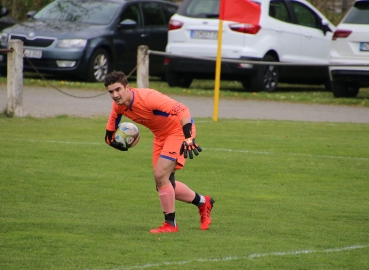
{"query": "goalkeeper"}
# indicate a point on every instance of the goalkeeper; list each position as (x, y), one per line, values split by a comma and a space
(174, 141)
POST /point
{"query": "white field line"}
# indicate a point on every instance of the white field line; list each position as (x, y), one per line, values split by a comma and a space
(207, 149)
(236, 258)
(281, 153)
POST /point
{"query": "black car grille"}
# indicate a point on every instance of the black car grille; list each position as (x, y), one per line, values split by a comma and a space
(37, 42)
(39, 63)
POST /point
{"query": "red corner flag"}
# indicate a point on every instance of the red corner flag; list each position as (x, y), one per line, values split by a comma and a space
(242, 11)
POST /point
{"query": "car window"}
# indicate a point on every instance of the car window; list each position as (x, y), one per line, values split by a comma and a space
(169, 11)
(93, 12)
(132, 12)
(305, 16)
(200, 9)
(153, 15)
(278, 10)
(358, 14)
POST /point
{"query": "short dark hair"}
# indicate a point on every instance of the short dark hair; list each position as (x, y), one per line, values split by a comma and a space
(116, 77)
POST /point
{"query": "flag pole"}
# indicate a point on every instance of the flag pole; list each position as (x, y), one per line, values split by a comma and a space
(241, 11)
(217, 71)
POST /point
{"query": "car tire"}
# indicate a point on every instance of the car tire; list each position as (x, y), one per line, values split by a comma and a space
(3, 72)
(267, 76)
(328, 86)
(344, 89)
(99, 67)
(176, 79)
(246, 85)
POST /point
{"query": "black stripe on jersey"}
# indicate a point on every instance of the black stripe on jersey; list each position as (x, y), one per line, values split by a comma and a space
(157, 112)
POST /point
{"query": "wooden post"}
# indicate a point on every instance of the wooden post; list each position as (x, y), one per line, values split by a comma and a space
(142, 67)
(15, 79)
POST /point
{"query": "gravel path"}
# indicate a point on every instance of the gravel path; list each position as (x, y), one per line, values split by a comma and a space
(46, 102)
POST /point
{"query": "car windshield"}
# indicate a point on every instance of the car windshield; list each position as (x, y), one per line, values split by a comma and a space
(201, 9)
(358, 14)
(92, 12)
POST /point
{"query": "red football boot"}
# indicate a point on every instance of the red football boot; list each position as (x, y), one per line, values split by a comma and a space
(165, 228)
(204, 211)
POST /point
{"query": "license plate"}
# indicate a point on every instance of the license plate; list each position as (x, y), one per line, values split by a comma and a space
(202, 34)
(32, 54)
(364, 46)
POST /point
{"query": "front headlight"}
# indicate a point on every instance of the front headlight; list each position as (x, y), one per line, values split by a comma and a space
(72, 43)
(4, 37)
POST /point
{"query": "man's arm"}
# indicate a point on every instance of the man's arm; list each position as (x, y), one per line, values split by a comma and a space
(111, 126)
(189, 145)
(186, 124)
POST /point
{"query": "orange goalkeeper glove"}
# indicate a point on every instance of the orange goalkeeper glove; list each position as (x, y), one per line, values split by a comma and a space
(189, 145)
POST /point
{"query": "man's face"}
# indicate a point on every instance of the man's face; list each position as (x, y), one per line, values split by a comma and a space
(120, 94)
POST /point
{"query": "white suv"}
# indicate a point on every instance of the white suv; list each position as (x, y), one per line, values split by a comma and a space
(350, 46)
(290, 31)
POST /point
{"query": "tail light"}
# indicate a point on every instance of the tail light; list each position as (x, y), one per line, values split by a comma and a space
(341, 34)
(246, 28)
(173, 25)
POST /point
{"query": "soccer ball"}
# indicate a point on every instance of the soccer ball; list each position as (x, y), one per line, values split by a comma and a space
(127, 134)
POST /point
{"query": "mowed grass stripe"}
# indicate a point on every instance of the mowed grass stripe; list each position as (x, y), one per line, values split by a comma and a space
(223, 150)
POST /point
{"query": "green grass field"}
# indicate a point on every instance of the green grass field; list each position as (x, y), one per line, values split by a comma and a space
(289, 195)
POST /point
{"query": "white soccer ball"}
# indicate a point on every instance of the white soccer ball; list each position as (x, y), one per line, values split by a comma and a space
(127, 134)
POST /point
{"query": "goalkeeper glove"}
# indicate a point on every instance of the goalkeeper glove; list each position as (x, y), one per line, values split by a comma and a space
(109, 140)
(189, 145)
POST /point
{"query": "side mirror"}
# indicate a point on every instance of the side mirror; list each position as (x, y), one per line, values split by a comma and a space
(325, 26)
(325, 22)
(3, 11)
(127, 24)
(31, 14)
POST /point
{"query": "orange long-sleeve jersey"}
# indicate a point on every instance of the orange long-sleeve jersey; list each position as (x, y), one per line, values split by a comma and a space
(150, 108)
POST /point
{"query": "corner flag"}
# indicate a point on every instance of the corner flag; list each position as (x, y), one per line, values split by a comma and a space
(241, 11)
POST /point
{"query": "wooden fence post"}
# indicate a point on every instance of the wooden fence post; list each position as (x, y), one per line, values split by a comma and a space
(142, 67)
(15, 79)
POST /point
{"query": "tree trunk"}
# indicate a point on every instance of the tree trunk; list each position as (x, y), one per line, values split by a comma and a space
(14, 11)
(344, 5)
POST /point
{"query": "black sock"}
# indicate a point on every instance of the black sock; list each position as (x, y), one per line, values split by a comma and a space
(196, 201)
(170, 218)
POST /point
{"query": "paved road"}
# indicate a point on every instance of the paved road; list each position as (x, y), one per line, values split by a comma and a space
(46, 102)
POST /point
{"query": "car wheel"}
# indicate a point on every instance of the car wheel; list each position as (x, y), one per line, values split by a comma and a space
(99, 67)
(344, 89)
(246, 85)
(327, 85)
(176, 79)
(3, 72)
(267, 77)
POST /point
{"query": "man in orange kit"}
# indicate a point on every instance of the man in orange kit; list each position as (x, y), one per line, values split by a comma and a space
(174, 140)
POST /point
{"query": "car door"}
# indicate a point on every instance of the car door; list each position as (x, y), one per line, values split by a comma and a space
(315, 43)
(285, 31)
(156, 25)
(129, 37)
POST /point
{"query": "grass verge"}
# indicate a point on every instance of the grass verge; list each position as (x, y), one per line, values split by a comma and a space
(228, 89)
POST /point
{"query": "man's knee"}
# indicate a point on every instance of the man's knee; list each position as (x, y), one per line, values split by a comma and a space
(171, 179)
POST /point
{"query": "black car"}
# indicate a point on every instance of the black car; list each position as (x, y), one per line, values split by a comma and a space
(90, 38)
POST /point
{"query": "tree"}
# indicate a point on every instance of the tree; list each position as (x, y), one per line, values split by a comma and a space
(20, 8)
(332, 9)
